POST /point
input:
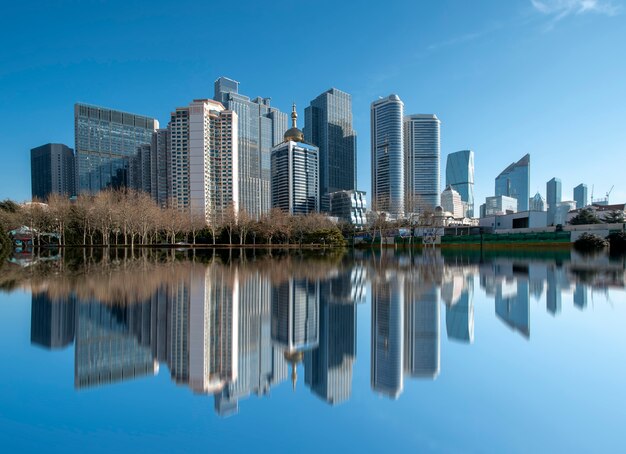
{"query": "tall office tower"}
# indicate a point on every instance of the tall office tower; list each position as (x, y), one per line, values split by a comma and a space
(52, 170)
(387, 336)
(537, 203)
(328, 126)
(451, 201)
(460, 175)
(204, 160)
(514, 181)
(260, 128)
(387, 155)
(328, 368)
(295, 170)
(140, 169)
(580, 195)
(422, 157)
(421, 329)
(52, 321)
(106, 140)
(295, 319)
(160, 167)
(553, 196)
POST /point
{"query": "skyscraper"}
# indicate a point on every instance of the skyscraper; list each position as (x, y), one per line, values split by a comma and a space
(553, 195)
(52, 170)
(514, 181)
(537, 203)
(260, 128)
(160, 167)
(328, 126)
(451, 202)
(295, 167)
(460, 175)
(204, 159)
(580, 195)
(422, 156)
(387, 155)
(106, 140)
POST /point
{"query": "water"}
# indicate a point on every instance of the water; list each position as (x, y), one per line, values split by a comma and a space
(364, 351)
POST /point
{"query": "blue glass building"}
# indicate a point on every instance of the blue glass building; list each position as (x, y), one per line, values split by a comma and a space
(460, 176)
(106, 142)
(387, 155)
(580, 195)
(328, 126)
(514, 181)
(422, 154)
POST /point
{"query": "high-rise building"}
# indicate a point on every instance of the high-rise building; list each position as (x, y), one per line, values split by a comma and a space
(514, 181)
(260, 128)
(349, 206)
(140, 169)
(460, 175)
(204, 160)
(52, 170)
(553, 197)
(451, 202)
(422, 157)
(580, 195)
(295, 170)
(537, 203)
(328, 126)
(387, 155)
(160, 167)
(106, 140)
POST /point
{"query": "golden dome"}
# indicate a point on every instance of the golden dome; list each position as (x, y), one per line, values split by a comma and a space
(293, 133)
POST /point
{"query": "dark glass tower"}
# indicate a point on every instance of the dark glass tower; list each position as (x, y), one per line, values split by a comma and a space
(52, 170)
(328, 126)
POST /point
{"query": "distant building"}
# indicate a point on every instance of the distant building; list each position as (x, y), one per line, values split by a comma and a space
(514, 181)
(295, 170)
(260, 127)
(460, 175)
(160, 167)
(204, 161)
(553, 193)
(422, 154)
(561, 213)
(537, 203)
(349, 206)
(328, 126)
(106, 141)
(519, 220)
(580, 196)
(52, 171)
(451, 202)
(140, 169)
(387, 154)
(500, 205)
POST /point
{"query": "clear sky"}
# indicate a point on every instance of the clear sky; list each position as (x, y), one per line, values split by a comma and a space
(545, 77)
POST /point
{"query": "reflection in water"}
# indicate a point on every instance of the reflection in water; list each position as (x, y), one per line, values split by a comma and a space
(232, 327)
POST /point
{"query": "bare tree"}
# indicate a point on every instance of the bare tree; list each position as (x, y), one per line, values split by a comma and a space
(244, 224)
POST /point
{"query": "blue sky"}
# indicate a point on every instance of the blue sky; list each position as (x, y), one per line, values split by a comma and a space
(545, 77)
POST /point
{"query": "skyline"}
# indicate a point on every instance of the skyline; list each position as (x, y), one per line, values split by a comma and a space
(487, 78)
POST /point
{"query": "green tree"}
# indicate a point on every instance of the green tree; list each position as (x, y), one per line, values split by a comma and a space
(614, 217)
(585, 216)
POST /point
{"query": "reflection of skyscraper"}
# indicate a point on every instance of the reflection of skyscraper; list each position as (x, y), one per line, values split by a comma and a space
(580, 296)
(460, 316)
(328, 368)
(553, 293)
(421, 330)
(514, 309)
(51, 322)
(387, 336)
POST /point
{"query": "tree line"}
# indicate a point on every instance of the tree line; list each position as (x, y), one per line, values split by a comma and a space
(130, 218)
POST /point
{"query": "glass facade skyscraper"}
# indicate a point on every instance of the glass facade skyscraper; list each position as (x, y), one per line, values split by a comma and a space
(422, 153)
(553, 195)
(328, 126)
(460, 176)
(387, 155)
(260, 128)
(106, 141)
(514, 181)
(52, 170)
(580, 195)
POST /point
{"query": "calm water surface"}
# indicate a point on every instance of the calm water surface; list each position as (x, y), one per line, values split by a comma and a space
(364, 351)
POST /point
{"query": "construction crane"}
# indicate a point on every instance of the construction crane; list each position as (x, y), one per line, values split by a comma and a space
(609, 193)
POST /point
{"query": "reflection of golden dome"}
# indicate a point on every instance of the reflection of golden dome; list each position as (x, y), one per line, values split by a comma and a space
(293, 133)
(293, 358)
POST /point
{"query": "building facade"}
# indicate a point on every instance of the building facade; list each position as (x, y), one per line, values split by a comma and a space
(514, 181)
(52, 171)
(203, 143)
(160, 167)
(580, 196)
(537, 203)
(553, 196)
(260, 127)
(422, 156)
(106, 141)
(451, 201)
(295, 173)
(460, 176)
(328, 126)
(500, 205)
(349, 206)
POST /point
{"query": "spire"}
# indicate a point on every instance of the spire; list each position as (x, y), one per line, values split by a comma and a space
(293, 133)
(294, 116)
